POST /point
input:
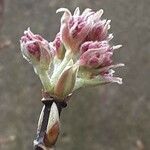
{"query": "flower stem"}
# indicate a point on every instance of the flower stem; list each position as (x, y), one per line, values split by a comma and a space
(45, 80)
(61, 67)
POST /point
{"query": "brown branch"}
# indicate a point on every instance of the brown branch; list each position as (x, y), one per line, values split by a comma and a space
(41, 132)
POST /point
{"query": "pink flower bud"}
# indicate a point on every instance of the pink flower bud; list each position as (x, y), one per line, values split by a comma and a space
(74, 28)
(99, 31)
(90, 45)
(58, 47)
(96, 57)
(78, 28)
(36, 49)
(95, 54)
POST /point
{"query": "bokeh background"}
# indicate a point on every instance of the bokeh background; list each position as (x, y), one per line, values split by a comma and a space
(110, 117)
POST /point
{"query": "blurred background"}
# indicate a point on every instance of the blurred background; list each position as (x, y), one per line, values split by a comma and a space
(110, 117)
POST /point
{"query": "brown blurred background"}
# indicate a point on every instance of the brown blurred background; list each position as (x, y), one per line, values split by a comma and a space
(111, 117)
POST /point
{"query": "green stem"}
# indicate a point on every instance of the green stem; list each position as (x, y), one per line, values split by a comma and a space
(80, 82)
(61, 67)
(45, 80)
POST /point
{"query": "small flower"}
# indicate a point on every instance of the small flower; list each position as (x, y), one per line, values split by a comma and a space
(35, 49)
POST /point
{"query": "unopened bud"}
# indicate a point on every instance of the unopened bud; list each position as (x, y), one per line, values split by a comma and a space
(53, 127)
(66, 82)
(36, 50)
(58, 47)
(74, 29)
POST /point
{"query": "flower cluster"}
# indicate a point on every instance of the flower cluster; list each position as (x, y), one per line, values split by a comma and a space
(79, 56)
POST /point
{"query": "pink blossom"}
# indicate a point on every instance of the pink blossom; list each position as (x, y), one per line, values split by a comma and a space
(35, 48)
(99, 31)
(83, 42)
(98, 55)
(78, 28)
(90, 45)
(74, 28)
(95, 54)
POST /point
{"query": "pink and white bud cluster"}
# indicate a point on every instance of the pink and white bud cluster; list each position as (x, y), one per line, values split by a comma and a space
(36, 50)
(97, 56)
(81, 52)
(86, 36)
(78, 28)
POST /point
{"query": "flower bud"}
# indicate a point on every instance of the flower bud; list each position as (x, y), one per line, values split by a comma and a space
(59, 47)
(66, 82)
(95, 54)
(96, 63)
(78, 28)
(74, 29)
(35, 49)
(99, 31)
(90, 45)
(53, 127)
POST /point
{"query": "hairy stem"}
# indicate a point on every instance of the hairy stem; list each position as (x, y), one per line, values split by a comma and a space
(45, 80)
(61, 67)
